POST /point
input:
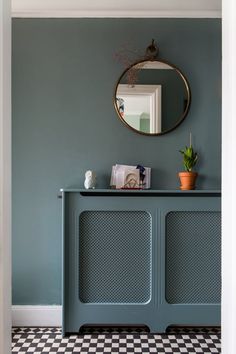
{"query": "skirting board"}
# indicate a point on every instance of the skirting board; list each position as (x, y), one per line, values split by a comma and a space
(36, 316)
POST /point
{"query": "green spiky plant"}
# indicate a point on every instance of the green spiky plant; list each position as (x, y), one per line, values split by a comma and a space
(190, 158)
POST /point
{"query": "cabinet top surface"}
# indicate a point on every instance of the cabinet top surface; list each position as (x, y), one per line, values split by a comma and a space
(197, 192)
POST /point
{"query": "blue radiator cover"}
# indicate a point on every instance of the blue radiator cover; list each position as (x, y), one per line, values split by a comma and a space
(141, 258)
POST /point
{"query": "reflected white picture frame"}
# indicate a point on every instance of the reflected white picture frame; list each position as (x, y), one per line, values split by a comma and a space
(153, 92)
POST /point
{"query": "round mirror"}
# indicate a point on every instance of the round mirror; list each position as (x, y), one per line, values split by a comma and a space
(152, 97)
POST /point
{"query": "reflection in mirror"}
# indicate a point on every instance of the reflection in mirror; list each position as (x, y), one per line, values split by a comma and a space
(152, 97)
(140, 106)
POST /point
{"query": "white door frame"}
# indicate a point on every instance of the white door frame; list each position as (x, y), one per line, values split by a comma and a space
(154, 94)
(5, 176)
(228, 320)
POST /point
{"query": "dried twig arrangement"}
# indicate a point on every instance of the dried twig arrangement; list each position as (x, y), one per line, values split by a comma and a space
(127, 57)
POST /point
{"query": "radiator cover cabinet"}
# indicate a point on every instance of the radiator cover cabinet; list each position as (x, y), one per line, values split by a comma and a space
(141, 258)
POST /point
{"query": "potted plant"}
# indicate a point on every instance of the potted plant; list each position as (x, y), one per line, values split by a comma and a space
(188, 177)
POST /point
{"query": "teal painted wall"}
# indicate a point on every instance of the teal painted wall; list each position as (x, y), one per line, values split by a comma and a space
(64, 123)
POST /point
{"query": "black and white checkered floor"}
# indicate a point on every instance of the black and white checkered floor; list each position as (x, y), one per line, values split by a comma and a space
(176, 341)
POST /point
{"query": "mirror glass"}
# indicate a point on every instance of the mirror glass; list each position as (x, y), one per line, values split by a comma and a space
(152, 97)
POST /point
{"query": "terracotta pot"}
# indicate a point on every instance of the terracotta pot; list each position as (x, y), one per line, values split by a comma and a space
(187, 180)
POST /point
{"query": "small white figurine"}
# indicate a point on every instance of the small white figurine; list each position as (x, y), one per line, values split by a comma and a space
(90, 180)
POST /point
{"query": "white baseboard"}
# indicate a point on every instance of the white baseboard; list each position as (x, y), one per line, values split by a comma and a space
(36, 316)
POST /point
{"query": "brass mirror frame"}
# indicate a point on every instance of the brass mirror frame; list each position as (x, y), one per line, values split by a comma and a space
(183, 116)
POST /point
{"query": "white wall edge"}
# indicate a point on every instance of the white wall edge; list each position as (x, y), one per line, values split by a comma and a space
(5, 176)
(21, 13)
(36, 316)
(228, 308)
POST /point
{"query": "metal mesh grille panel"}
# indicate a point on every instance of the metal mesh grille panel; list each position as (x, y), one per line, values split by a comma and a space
(193, 257)
(114, 256)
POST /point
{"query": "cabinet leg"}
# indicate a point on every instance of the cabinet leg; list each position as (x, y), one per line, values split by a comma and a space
(160, 328)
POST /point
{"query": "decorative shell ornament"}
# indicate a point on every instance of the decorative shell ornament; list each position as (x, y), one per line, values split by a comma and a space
(90, 180)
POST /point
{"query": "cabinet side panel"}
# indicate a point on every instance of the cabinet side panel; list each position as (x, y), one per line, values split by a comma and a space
(114, 257)
(193, 243)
